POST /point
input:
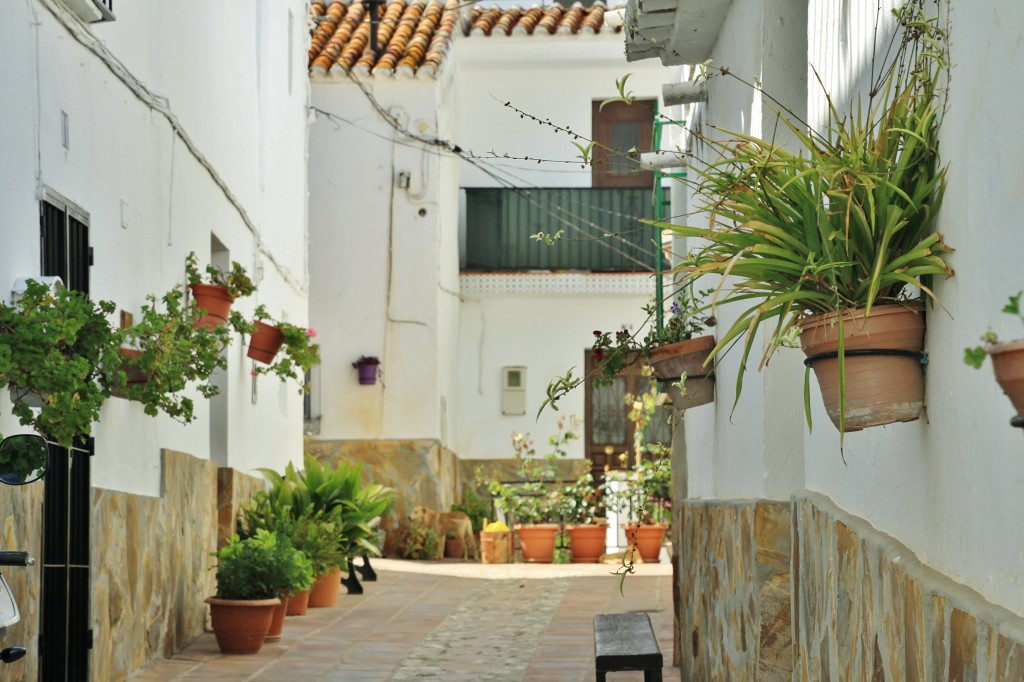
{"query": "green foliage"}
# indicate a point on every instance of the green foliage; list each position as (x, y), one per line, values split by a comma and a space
(537, 498)
(236, 280)
(848, 222)
(336, 496)
(580, 501)
(298, 354)
(417, 541)
(614, 352)
(23, 459)
(59, 349)
(174, 354)
(255, 568)
(975, 357)
(475, 507)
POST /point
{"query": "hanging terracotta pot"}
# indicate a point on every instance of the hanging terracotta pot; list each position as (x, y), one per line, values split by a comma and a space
(686, 357)
(326, 589)
(537, 542)
(648, 539)
(215, 300)
(277, 621)
(265, 342)
(587, 542)
(1008, 363)
(133, 375)
(884, 371)
(241, 625)
(298, 604)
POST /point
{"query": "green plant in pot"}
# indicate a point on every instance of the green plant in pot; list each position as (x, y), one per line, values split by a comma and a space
(215, 290)
(250, 575)
(1007, 358)
(586, 529)
(833, 240)
(268, 337)
(535, 502)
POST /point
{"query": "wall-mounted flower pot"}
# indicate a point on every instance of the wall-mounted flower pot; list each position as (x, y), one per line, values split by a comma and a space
(133, 375)
(884, 374)
(1008, 364)
(686, 357)
(265, 343)
(215, 300)
(367, 368)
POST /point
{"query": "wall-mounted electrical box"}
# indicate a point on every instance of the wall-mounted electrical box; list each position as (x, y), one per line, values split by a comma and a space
(513, 390)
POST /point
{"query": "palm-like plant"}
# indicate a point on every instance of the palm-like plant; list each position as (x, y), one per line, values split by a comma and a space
(845, 224)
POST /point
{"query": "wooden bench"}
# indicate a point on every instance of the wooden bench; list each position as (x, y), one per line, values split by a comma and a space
(626, 641)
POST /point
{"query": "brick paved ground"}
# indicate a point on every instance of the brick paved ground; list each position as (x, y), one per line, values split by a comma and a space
(451, 621)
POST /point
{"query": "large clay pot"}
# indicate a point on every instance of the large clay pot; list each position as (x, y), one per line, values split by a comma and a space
(537, 542)
(265, 342)
(326, 589)
(215, 300)
(298, 604)
(884, 385)
(686, 357)
(648, 539)
(277, 622)
(587, 543)
(241, 625)
(1008, 363)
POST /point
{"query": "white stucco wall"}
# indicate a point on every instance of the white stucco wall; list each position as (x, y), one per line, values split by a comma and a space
(948, 484)
(150, 199)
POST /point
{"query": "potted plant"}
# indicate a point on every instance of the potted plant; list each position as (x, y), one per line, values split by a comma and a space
(367, 366)
(1007, 358)
(677, 356)
(215, 293)
(535, 502)
(587, 531)
(639, 494)
(249, 576)
(417, 541)
(830, 244)
(268, 337)
(64, 359)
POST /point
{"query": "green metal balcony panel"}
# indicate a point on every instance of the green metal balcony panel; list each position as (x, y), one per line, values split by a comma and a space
(500, 222)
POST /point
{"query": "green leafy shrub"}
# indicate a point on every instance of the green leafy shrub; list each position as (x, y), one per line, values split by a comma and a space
(417, 541)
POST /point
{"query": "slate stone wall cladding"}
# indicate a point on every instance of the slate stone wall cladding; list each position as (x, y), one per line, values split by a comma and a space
(420, 471)
(22, 529)
(150, 567)
(865, 607)
(734, 584)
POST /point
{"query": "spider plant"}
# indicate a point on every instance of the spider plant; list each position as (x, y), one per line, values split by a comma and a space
(847, 222)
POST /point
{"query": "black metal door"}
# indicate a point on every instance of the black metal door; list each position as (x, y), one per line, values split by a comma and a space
(64, 634)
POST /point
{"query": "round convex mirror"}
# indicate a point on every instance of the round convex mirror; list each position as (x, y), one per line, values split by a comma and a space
(23, 459)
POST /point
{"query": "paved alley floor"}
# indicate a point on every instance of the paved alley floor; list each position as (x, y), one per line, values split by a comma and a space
(448, 620)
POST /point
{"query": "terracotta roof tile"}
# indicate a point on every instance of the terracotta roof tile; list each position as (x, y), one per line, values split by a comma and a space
(413, 36)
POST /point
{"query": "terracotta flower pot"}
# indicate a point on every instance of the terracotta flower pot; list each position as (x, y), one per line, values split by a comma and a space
(298, 604)
(648, 539)
(215, 300)
(1008, 364)
(453, 548)
(241, 625)
(537, 542)
(686, 357)
(587, 543)
(133, 375)
(884, 385)
(265, 342)
(326, 590)
(277, 622)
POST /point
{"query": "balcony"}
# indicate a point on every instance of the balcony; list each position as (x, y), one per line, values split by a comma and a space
(601, 229)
